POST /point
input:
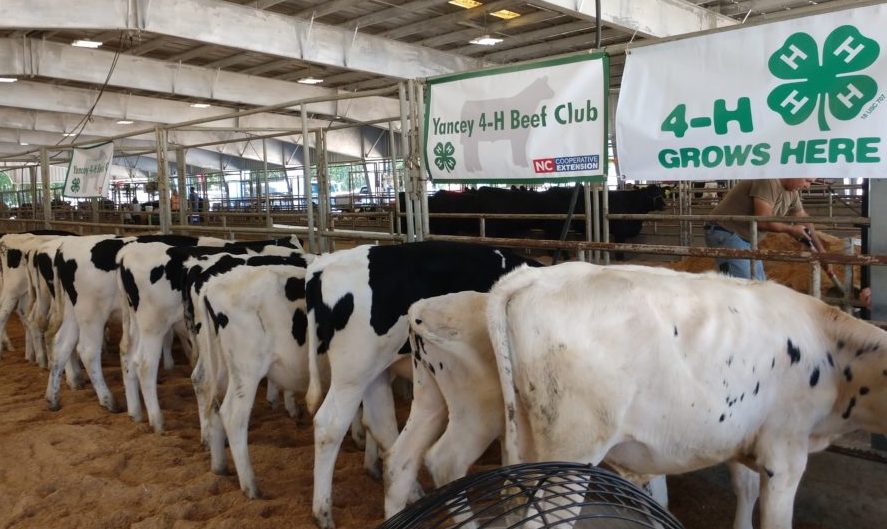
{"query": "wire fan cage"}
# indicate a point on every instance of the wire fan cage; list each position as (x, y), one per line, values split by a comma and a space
(537, 495)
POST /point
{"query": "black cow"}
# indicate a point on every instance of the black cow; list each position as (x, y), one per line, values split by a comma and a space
(517, 201)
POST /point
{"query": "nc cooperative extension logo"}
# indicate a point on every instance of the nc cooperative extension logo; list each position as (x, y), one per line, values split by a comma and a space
(567, 164)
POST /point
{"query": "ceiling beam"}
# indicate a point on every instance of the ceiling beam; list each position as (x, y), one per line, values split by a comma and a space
(452, 18)
(325, 8)
(655, 18)
(148, 112)
(31, 57)
(282, 35)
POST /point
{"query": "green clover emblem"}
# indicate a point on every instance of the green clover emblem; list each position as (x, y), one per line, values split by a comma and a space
(443, 156)
(829, 84)
(75, 185)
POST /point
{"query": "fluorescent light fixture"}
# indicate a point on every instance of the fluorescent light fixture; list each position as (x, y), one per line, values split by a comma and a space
(467, 4)
(200, 105)
(125, 122)
(486, 40)
(505, 14)
(23, 143)
(86, 43)
(309, 80)
(8, 79)
(69, 134)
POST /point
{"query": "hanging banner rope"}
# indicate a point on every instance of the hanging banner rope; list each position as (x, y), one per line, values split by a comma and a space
(800, 98)
(538, 122)
(88, 173)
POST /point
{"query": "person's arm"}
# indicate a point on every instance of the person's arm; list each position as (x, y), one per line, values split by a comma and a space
(765, 209)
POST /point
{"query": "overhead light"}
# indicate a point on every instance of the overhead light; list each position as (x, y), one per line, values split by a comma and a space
(8, 79)
(86, 43)
(309, 80)
(200, 105)
(125, 122)
(467, 4)
(69, 134)
(23, 143)
(485, 40)
(505, 14)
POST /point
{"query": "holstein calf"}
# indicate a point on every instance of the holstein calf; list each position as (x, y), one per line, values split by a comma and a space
(252, 323)
(357, 303)
(457, 409)
(666, 372)
(86, 285)
(15, 255)
(151, 276)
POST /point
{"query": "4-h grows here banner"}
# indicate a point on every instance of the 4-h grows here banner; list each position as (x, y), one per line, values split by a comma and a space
(539, 122)
(88, 173)
(801, 98)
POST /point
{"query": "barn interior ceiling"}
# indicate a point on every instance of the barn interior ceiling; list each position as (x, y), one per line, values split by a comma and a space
(169, 61)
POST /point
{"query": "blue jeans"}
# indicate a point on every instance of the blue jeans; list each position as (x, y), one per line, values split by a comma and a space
(718, 238)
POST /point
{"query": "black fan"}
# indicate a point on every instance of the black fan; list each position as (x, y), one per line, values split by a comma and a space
(537, 495)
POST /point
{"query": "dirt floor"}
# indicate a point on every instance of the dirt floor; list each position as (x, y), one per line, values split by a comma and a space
(84, 468)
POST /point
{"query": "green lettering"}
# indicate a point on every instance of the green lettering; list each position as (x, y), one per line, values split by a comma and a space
(669, 158)
(761, 153)
(712, 156)
(736, 154)
(689, 155)
(838, 147)
(815, 151)
(788, 151)
(867, 150)
(741, 115)
(676, 121)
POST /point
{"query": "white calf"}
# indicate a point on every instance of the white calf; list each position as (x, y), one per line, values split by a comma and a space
(457, 404)
(252, 323)
(457, 407)
(666, 372)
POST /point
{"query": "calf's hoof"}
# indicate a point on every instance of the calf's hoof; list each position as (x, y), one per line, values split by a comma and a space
(53, 405)
(252, 491)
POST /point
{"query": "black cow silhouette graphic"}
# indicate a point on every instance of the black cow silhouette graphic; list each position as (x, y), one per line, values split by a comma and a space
(526, 101)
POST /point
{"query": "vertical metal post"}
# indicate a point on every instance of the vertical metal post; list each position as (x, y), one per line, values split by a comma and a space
(33, 173)
(162, 179)
(47, 191)
(306, 174)
(418, 135)
(323, 187)
(405, 150)
(395, 179)
(264, 184)
(754, 244)
(184, 203)
(605, 224)
(591, 192)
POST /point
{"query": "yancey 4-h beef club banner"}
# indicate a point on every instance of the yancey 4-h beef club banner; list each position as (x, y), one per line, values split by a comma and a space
(800, 98)
(539, 122)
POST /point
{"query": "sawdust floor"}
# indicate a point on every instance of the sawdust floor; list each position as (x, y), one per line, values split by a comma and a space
(82, 467)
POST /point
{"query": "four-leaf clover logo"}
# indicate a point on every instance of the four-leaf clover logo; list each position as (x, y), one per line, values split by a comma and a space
(829, 84)
(75, 185)
(443, 156)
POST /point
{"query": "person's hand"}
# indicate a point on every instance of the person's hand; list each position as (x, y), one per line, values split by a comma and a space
(799, 232)
(865, 297)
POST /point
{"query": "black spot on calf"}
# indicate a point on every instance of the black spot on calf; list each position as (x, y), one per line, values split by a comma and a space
(848, 374)
(295, 288)
(66, 270)
(757, 388)
(676, 330)
(130, 288)
(219, 320)
(328, 320)
(831, 361)
(300, 326)
(814, 377)
(43, 263)
(849, 409)
(104, 254)
(13, 258)
(794, 353)
(157, 274)
(864, 390)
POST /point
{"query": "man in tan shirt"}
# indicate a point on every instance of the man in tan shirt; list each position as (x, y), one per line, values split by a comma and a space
(771, 198)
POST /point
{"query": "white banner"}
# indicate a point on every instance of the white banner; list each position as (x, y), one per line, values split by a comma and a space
(540, 122)
(800, 98)
(88, 173)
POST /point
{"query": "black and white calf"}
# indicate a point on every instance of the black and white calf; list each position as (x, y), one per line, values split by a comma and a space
(357, 303)
(86, 285)
(250, 323)
(151, 277)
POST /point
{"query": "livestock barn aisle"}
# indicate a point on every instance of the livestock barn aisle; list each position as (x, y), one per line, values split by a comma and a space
(83, 467)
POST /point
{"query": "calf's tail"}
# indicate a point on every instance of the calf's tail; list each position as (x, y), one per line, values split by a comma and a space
(314, 396)
(497, 325)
